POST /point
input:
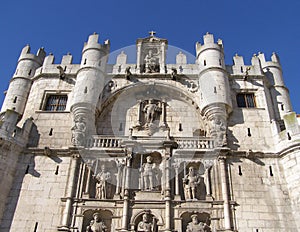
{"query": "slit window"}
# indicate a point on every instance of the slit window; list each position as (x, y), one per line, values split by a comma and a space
(56, 103)
(245, 100)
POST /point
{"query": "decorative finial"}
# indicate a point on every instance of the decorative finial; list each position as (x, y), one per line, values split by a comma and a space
(152, 33)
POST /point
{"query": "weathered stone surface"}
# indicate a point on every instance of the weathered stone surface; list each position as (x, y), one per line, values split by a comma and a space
(232, 125)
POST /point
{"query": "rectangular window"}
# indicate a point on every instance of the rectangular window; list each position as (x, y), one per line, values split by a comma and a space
(56, 102)
(245, 100)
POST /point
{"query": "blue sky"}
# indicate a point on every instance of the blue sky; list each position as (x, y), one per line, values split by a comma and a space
(62, 26)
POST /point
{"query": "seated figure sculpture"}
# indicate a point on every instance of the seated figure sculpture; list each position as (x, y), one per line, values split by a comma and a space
(96, 225)
(146, 225)
(196, 226)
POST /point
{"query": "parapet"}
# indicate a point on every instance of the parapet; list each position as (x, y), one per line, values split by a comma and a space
(67, 59)
(275, 61)
(239, 67)
(39, 57)
(181, 58)
(49, 59)
(208, 42)
(93, 43)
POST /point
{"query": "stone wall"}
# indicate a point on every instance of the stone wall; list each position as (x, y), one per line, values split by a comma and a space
(9, 154)
(291, 166)
(34, 199)
(261, 195)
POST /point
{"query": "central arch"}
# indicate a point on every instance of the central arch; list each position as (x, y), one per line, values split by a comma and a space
(119, 111)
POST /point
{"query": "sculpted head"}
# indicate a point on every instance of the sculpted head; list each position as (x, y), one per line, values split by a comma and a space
(96, 217)
(194, 219)
(149, 159)
(145, 218)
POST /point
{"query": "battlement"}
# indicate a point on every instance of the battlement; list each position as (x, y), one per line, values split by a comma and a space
(26, 55)
(239, 67)
(275, 61)
(93, 43)
(208, 42)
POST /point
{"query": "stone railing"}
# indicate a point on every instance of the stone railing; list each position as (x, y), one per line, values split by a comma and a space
(195, 143)
(104, 141)
(99, 141)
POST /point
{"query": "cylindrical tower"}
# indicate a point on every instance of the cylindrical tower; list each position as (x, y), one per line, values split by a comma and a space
(90, 82)
(215, 102)
(279, 92)
(19, 87)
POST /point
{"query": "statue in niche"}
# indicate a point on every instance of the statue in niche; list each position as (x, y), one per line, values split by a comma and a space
(151, 110)
(151, 62)
(191, 183)
(149, 175)
(218, 129)
(96, 225)
(102, 188)
(146, 225)
(78, 132)
(196, 226)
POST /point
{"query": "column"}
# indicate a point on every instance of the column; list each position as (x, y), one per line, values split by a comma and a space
(139, 113)
(167, 190)
(120, 166)
(126, 192)
(176, 166)
(225, 193)
(88, 180)
(207, 165)
(163, 114)
(70, 194)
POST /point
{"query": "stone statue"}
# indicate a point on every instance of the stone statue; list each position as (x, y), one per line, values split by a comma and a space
(151, 62)
(146, 225)
(101, 186)
(78, 132)
(150, 110)
(191, 183)
(128, 73)
(195, 226)
(96, 225)
(149, 174)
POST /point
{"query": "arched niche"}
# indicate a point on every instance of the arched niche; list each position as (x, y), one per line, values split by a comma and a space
(199, 171)
(139, 162)
(186, 218)
(125, 109)
(138, 217)
(111, 168)
(105, 216)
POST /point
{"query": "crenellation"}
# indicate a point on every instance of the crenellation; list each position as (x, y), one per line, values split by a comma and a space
(67, 59)
(79, 140)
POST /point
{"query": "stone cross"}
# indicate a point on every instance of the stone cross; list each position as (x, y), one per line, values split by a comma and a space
(152, 33)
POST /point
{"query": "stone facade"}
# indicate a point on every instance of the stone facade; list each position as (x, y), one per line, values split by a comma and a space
(148, 146)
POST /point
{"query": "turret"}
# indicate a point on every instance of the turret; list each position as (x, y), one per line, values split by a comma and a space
(90, 81)
(215, 101)
(279, 92)
(19, 87)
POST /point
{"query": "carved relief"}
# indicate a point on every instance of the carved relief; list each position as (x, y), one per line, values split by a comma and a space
(78, 132)
(152, 61)
(217, 128)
